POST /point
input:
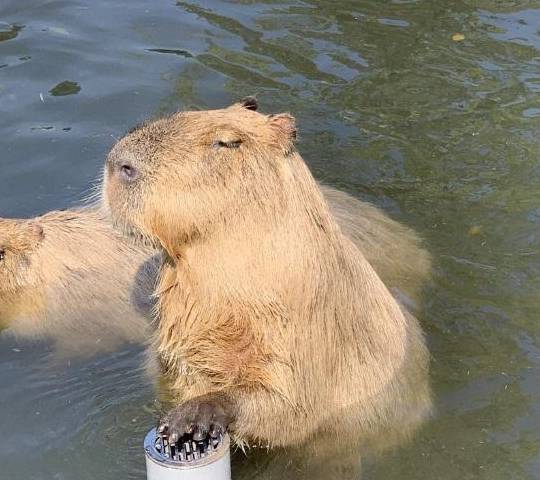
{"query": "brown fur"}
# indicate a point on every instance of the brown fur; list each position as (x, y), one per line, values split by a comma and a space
(262, 298)
(69, 276)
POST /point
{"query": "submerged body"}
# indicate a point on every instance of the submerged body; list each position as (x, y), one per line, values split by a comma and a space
(271, 320)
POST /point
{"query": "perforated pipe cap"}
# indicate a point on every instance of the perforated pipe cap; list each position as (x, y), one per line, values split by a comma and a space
(187, 460)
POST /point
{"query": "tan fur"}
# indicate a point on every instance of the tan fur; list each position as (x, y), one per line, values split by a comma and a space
(69, 276)
(262, 296)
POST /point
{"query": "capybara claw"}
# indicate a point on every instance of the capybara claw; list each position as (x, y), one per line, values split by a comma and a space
(199, 433)
(216, 431)
(200, 417)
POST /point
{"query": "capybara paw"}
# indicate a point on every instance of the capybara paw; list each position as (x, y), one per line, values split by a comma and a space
(199, 417)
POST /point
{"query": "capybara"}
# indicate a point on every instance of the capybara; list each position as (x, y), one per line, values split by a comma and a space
(69, 276)
(271, 321)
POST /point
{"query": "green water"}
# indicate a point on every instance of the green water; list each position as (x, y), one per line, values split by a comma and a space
(443, 134)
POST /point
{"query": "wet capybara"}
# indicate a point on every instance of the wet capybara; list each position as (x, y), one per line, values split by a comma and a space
(271, 320)
(69, 276)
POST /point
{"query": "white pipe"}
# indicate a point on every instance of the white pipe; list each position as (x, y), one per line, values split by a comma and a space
(215, 466)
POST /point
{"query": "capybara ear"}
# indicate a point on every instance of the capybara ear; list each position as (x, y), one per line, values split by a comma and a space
(285, 123)
(35, 233)
(250, 103)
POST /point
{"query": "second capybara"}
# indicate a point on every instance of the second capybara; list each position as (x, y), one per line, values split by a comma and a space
(67, 275)
(271, 320)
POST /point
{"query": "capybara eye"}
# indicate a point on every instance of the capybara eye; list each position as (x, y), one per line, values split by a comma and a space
(128, 172)
(2, 254)
(231, 144)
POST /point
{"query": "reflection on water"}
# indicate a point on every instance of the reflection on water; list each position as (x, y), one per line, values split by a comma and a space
(443, 134)
(8, 32)
(65, 88)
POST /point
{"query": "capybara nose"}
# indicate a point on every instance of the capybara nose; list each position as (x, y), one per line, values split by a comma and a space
(125, 170)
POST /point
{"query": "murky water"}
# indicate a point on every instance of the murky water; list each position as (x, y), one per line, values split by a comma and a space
(442, 130)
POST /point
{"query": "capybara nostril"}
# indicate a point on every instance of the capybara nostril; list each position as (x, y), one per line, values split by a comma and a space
(126, 171)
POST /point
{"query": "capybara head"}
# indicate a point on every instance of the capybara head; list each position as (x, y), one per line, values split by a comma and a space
(19, 240)
(183, 177)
